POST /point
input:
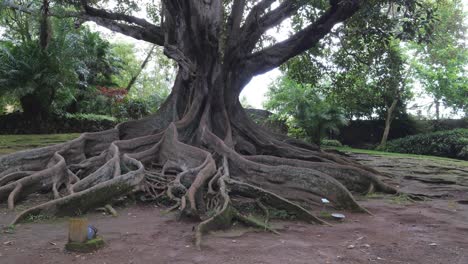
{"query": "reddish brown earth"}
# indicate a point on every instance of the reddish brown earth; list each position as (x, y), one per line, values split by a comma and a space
(400, 231)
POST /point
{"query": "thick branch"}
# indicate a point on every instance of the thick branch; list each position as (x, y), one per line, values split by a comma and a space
(256, 12)
(91, 11)
(272, 57)
(135, 32)
(131, 26)
(146, 30)
(143, 65)
(254, 30)
(235, 20)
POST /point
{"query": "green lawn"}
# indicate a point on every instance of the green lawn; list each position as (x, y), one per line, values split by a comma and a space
(13, 143)
(401, 155)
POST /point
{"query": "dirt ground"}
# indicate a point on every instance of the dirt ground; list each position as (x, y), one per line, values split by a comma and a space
(400, 231)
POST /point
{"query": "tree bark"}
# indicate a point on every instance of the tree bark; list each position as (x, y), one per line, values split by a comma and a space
(437, 108)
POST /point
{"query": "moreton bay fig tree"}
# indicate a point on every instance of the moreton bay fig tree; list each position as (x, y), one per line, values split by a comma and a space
(200, 151)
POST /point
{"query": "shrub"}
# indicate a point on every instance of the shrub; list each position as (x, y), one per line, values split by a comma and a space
(450, 143)
(90, 117)
(133, 108)
(331, 143)
(16, 123)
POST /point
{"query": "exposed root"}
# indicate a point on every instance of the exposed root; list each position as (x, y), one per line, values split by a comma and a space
(110, 210)
(13, 196)
(265, 210)
(191, 169)
(255, 223)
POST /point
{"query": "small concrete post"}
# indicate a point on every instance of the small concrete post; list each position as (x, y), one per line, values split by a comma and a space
(78, 230)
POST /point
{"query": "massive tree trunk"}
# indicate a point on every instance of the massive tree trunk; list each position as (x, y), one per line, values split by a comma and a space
(201, 151)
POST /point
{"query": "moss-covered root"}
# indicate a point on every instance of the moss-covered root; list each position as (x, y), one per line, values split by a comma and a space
(93, 197)
(249, 221)
(273, 200)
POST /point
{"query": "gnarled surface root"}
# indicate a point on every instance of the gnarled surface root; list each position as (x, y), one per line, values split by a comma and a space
(201, 173)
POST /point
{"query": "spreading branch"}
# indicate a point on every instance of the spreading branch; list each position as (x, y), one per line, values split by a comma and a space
(256, 12)
(234, 21)
(273, 56)
(253, 30)
(144, 29)
(131, 26)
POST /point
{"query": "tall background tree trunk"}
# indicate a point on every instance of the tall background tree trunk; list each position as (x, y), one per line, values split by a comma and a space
(142, 67)
(388, 122)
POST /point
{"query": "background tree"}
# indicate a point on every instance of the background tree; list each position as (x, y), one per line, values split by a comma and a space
(51, 71)
(201, 148)
(362, 67)
(36, 67)
(309, 116)
(441, 64)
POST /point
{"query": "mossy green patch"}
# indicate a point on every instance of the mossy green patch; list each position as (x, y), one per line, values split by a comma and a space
(38, 218)
(10, 229)
(402, 199)
(326, 215)
(85, 247)
(281, 214)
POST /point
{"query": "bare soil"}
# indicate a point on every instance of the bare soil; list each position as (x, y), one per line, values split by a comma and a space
(400, 231)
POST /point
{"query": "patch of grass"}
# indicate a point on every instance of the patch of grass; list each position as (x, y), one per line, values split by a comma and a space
(374, 195)
(38, 218)
(402, 155)
(94, 117)
(280, 214)
(86, 247)
(9, 229)
(325, 215)
(401, 199)
(13, 143)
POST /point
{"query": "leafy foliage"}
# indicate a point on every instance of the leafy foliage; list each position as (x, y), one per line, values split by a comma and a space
(441, 64)
(331, 143)
(308, 115)
(450, 143)
(68, 75)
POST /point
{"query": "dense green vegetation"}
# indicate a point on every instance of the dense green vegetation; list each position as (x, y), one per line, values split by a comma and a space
(452, 144)
(53, 66)
(308, 116)
(63, 71)
(375, 76)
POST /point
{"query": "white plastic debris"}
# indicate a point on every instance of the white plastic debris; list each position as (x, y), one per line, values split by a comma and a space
(325, 201)
(338, 216)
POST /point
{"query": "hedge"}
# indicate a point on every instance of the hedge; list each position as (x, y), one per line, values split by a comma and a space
(450, 143)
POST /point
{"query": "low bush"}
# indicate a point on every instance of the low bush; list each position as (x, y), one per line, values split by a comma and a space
(330, 143)
(133, 108)
(450, 143)
(90, 117)
(16, 123)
